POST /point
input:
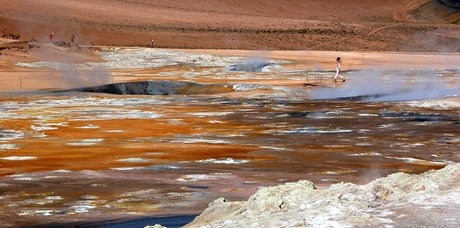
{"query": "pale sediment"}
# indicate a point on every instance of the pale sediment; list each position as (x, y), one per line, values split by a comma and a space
(398, 200)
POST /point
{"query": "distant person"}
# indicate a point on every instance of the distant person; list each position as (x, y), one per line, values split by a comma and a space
(51, 37)
(339, 70)
(72, 38)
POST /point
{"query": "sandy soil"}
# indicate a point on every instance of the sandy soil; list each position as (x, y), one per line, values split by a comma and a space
(351, 25)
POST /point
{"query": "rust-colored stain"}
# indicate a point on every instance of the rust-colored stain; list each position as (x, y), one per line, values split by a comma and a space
(79, 157)
(158, 154)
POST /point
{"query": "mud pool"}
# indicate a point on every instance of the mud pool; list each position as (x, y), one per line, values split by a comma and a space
(90, 158)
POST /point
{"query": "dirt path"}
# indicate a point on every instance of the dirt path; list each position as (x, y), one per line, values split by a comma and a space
(401, 14)
(380, 29)
(372, 32)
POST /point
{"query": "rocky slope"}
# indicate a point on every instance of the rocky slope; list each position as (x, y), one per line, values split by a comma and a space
(398, 200)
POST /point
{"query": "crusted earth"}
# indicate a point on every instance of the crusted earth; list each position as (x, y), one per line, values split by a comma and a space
(398, 200)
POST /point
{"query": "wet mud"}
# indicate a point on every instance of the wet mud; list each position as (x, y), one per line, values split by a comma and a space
(155, 88)
(79, 158)
(103, 154)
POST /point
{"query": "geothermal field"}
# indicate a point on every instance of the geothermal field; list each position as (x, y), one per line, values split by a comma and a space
(74, 154)
(220, 113)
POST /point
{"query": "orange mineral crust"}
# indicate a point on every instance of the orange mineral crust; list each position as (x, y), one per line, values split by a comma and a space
(124, 133)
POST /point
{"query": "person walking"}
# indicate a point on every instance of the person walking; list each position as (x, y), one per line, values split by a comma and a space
(72, 39)
(51, 37)
(339, 70)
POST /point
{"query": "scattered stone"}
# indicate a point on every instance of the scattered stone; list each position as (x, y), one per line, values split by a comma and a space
(10, 35)
(62, 44)
(34, 46)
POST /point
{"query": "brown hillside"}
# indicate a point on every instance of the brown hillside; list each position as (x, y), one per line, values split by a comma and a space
(381, 25)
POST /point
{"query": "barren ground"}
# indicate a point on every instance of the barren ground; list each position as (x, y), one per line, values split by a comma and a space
(310, 34)
(349, 25)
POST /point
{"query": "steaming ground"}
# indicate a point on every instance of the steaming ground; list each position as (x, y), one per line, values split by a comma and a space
(125, 58)
(236, 123)
(395, 85)
(382, 83)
